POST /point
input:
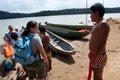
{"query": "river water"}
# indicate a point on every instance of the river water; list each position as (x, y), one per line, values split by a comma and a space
(61, 19)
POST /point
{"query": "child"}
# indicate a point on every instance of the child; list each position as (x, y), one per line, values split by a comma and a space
(46, 43)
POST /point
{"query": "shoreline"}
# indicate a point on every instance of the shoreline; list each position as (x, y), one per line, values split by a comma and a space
(75, 67)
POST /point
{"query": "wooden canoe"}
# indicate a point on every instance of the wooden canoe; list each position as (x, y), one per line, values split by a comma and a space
(67, 33)
(71, 27)
(60, 45)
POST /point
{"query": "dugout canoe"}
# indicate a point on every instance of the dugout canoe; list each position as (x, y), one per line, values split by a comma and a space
(60, 45)
(71, 27)
(67, 33)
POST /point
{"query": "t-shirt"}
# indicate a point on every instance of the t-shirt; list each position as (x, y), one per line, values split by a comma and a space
(36, 44)
(8, 36)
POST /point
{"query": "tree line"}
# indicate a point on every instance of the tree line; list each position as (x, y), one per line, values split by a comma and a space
(8, 15)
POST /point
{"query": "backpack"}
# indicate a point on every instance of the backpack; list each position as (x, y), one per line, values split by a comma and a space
(23, 51)
(9, 65)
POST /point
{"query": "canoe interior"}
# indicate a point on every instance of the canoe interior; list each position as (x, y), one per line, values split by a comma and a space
(60, 45)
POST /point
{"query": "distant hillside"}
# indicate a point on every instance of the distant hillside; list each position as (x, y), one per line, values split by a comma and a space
(7, 15)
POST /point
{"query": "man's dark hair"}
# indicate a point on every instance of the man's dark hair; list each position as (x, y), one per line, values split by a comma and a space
(98, 7)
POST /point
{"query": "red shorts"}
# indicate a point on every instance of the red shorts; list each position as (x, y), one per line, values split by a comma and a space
(101, 60)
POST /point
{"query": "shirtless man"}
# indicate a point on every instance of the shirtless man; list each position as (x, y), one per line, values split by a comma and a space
(97, 44)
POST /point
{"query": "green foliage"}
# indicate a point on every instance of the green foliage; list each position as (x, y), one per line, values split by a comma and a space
(7, 15)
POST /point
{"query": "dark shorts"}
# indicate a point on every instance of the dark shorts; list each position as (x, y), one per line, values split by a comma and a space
(37, 68)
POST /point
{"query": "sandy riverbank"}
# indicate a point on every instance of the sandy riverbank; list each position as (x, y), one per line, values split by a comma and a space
(75, 67)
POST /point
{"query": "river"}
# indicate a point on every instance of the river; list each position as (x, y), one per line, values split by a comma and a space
(61, 19)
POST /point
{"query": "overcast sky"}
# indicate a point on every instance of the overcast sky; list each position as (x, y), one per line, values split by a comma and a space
(30, 6)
